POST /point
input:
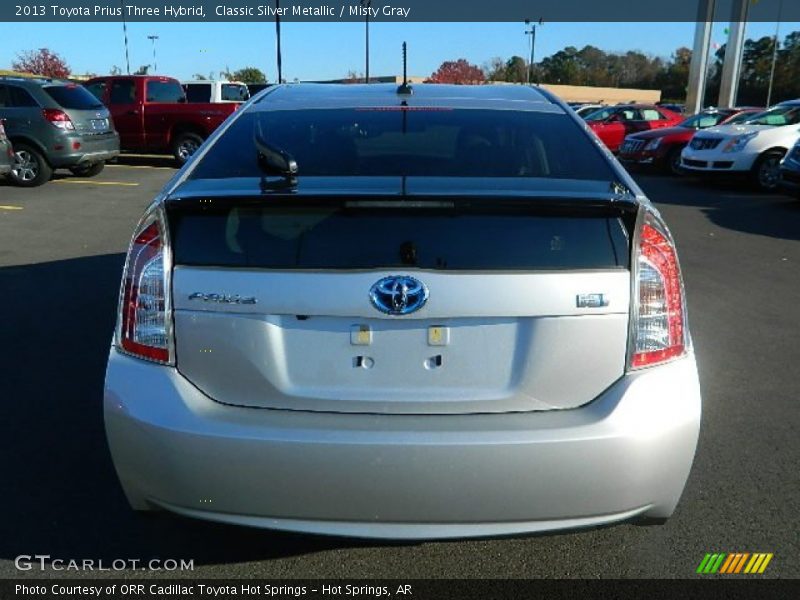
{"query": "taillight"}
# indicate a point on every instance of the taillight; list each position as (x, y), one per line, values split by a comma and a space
(145, 322)
(58, 118)
(658, 328)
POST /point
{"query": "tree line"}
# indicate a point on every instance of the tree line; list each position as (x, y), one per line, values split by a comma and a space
(633, 69)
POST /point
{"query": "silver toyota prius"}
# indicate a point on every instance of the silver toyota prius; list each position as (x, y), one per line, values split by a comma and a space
(387, 312)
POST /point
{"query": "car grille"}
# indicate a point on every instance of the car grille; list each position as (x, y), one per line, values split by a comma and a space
(704, 143)
(632, 146)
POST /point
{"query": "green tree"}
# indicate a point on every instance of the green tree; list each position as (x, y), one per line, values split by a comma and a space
(249, 75)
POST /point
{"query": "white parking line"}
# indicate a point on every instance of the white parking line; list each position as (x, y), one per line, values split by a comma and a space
(9, 207)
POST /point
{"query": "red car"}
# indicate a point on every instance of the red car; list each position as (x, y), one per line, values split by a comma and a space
(662, 147)
(151, 114)
(614, 123)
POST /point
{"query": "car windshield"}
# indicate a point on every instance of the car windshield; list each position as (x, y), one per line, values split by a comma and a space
(783, 114)
(703, 120)
(73, 97)
(392, 141)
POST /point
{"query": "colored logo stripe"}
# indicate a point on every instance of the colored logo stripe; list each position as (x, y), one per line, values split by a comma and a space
(734, 563)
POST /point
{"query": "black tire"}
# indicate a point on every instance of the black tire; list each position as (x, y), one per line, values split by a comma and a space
(30, 168)
(88, 170)
(184, 145)
(672, 161)
(766, 171)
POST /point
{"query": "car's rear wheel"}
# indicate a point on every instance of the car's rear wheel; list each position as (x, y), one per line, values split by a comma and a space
(30, 168)
(184, 145)
(672, 162)
(766, 172)
(88, 170)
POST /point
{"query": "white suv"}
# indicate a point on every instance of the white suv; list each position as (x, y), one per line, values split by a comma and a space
(755, 147)
(215, 91)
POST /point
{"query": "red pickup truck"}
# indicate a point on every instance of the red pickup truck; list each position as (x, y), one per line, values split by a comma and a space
(151, 114)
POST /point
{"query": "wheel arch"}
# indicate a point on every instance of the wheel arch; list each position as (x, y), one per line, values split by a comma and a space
(23, 139)
(180, 128)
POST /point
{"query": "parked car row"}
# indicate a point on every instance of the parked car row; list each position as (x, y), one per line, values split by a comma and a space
(754, 148)
(747, 141)
(50, 124)
(662, 147)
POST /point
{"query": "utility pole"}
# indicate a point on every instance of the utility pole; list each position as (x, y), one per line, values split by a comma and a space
(153, 39)
(531, 32)
(278, 39)
(366, 4)
(125, 32)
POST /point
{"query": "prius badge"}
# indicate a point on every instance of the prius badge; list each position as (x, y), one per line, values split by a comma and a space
(398, 295)
(223, 298)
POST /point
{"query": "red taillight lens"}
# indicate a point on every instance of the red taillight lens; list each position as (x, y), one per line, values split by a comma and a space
(144, 308)
(58, 118)
(659, 325)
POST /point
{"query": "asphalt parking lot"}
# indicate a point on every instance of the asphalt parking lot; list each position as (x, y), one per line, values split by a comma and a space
(61, 252)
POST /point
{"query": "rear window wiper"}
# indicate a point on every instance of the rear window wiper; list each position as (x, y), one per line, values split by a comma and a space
(273, 160)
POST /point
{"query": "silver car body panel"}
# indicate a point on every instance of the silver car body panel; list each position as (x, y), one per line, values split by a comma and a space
(403, 476)
(514, 339)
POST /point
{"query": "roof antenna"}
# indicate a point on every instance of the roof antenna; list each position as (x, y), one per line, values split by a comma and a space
(405, 88)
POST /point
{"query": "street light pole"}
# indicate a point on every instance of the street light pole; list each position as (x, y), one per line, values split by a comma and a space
(125, 32)
(153, 39)
(366, 4)
(532, 33)
(278, 39)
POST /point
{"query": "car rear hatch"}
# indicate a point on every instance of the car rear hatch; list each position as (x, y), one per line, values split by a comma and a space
(88, 115)
(527, 301)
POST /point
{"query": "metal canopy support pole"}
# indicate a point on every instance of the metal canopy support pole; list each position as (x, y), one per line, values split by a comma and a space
(732, 67)
(698, 69)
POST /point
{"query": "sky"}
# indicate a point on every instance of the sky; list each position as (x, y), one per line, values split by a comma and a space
(319, 51)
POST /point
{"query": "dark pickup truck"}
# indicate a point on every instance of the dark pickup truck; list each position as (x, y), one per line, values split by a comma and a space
(151, 114)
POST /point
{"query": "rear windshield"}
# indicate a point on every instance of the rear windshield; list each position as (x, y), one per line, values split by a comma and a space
(360, 236)
(235, 92)
(74, 97)
(421, 142)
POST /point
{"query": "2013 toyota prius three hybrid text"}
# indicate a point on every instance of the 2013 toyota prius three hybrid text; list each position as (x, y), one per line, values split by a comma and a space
(383, 312)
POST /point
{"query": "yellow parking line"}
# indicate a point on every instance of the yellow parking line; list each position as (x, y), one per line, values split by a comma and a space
(9, 207)
(125, 183)
(141, 167)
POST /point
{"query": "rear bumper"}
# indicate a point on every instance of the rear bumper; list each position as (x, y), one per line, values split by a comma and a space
(627, 453)
(90, 149)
